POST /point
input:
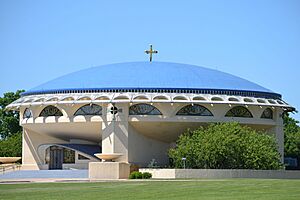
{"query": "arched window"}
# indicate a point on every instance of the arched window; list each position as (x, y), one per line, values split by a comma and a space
(194, 110)
(27, 113)
(50, 111)
(143, 109)
(89, 109)
(267, 114)
(239, 111)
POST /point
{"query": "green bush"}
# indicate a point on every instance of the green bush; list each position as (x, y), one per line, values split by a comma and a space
(11, 146)
(140, 175)
(136, 175)
(291, 137)
(146, 175)
(226, 146)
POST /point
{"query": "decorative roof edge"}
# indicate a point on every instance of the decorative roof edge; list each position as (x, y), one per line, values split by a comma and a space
(248, 93)
(129, 97)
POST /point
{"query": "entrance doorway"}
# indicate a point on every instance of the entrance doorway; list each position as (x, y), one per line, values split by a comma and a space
(56, 157)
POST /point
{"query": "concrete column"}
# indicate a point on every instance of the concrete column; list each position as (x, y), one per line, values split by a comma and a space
(23, 145)
(30, 158)
(115, 131)
(278, 130)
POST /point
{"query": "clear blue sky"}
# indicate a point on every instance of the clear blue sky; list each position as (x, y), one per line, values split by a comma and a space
(257, 40)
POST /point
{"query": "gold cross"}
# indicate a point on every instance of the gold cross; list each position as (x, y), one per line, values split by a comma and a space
(150, 51)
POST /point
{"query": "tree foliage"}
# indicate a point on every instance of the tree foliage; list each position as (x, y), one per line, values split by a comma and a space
(11, 146)
(9, 120)
(291, 137)
(10, 130)
(226, 146)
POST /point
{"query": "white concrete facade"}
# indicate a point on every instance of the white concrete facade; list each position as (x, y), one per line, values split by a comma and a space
(139, 138)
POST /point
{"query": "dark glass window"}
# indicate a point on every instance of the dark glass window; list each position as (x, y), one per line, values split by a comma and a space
(194, 110)
(143, 109)
(27, 113)
(69, 156)
(81, 157)
(267, 114)
(90, 109)
(50, 111)
(239, 111)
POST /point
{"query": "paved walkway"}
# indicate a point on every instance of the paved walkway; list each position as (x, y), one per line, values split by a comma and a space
(44, 174)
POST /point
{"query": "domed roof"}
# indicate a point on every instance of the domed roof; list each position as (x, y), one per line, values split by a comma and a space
(146, 75)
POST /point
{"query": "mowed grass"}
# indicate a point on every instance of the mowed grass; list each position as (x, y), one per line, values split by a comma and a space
(181, 189)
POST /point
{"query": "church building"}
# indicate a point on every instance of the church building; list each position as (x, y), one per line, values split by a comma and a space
(134, 112)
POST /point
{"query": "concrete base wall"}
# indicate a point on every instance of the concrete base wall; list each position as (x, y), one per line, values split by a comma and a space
(221, 173)
(76, 166)
(108, 170)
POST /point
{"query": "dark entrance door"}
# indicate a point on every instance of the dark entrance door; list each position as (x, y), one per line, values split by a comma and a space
(56, 157)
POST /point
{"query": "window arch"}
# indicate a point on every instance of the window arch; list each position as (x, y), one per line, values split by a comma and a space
(143, 109)
(232, 99)
(89, 109)
(239, 111)
(267, 114)
(141, 97)
(50, 111)
(194, 110)
(102, 98)
(180, 98)
(248, 100)
(27, 113)
(199, 98)
(216, 99)
(161, 97)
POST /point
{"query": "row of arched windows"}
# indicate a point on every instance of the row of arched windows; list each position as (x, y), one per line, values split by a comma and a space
(90, 109)
(147, 109)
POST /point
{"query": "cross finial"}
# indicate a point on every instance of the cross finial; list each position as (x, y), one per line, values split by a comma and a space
(150, 51)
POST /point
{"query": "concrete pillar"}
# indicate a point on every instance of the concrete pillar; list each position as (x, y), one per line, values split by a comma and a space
(115, 131)
(30, 158)
(278, 130)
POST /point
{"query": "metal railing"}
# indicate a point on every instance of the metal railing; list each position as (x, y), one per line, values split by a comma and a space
(9, 167)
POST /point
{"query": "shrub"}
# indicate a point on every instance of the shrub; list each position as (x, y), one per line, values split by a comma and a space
(140, 175)
(147, 175)
(226, 146)
(136, 175)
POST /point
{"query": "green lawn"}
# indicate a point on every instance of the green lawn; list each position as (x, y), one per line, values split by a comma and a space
(181, 189)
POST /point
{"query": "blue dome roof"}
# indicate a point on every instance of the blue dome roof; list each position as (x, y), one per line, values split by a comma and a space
(146, 75)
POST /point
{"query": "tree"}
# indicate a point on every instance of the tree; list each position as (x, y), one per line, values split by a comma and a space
(12, 146)
(9, 120)
(10, 130)
(291, 137)
(226, 146)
